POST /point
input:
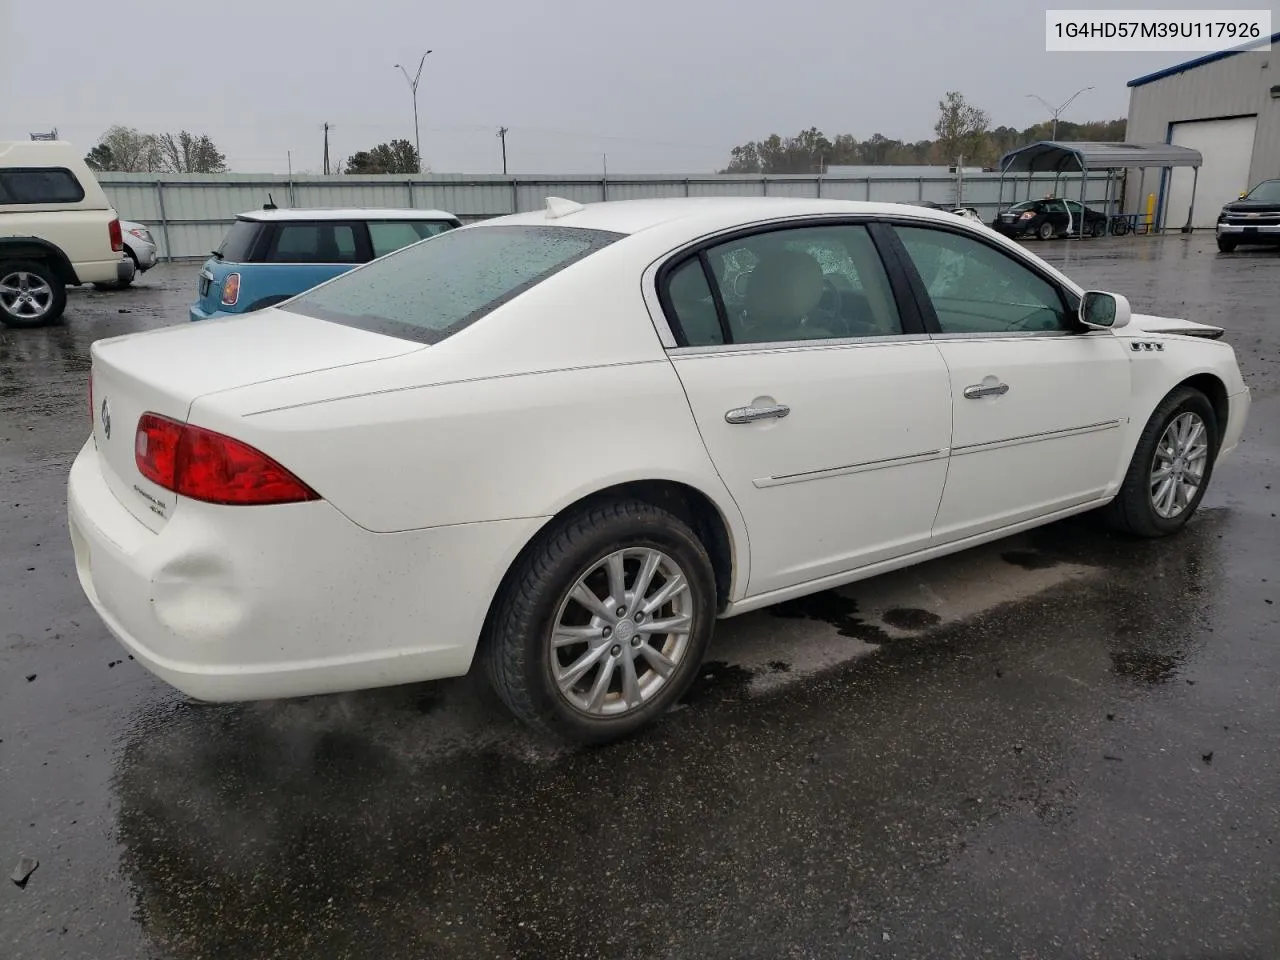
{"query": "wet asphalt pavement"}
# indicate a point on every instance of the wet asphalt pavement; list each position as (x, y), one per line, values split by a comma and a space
(1062, 745)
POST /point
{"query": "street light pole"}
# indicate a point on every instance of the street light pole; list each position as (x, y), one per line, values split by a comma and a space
(1057, 111)
(413, 86)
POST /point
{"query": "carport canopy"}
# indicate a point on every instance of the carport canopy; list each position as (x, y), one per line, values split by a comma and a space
(1058, 157)
(1055, 156)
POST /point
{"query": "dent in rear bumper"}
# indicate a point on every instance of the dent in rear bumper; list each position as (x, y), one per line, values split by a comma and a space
(274, 602)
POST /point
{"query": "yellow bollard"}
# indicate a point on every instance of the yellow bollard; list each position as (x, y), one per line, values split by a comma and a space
(1151, 211)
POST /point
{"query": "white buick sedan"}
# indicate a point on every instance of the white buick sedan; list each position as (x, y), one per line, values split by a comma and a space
(562, 444)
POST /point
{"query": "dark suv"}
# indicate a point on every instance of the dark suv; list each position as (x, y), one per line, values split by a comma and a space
(1254, 218)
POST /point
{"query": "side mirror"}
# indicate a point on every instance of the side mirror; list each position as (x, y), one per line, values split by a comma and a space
(1104, 311)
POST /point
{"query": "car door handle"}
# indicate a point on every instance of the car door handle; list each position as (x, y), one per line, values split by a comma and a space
(980, 390)
(748, 414)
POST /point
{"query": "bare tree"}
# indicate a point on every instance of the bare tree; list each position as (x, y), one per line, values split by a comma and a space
(125, 149)
(188, 153)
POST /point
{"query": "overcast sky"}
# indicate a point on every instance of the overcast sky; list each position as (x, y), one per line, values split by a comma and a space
(657, 86)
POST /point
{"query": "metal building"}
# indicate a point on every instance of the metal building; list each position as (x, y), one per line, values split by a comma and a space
(1225, 105)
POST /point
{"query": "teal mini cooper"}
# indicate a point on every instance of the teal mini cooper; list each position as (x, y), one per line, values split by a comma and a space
(271, 255)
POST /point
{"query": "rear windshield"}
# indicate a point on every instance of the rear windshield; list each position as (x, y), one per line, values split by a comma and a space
(239, 241)
(431, 290)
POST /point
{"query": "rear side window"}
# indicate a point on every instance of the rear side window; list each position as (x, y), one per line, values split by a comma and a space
(39, 185)
(313, 242)
(388, 236)
(237, 245)
(430, 291)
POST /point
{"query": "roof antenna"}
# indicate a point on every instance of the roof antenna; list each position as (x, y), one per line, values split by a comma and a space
(270, 204)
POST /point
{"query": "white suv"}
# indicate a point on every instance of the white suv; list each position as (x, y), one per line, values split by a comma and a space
(57, 229)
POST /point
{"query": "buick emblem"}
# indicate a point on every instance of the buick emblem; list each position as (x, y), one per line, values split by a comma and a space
(106, 419)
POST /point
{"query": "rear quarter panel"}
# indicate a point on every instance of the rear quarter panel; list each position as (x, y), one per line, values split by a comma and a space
(79, 232)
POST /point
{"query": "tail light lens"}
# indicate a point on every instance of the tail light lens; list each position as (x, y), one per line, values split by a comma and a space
(231, 289)
(209, 466)
(117, 237)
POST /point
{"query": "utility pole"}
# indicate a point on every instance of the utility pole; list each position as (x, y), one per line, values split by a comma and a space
(413, 86)
(502, 135)
(326, 149)
(1057, 111)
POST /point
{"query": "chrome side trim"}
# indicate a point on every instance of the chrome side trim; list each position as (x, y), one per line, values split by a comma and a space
(1036, 437)
(783, 346)
(1023, 335)
(865, 467)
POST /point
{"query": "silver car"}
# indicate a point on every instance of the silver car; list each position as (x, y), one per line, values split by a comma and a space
(140, 249)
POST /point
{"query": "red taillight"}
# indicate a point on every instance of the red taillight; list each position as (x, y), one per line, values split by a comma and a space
(208, 466)
(117, 237)
(231, 289)
(91, 412)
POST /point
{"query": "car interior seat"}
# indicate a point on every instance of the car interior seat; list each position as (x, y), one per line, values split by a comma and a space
(782, 290)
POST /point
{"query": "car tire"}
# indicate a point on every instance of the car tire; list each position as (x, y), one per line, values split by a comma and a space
(1136, 510)
(1225, 245)
(34, 279)
(533, 676)
(1098, 229)
(1045, 231)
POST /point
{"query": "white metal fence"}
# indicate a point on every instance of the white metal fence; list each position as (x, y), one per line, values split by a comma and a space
(189, 213)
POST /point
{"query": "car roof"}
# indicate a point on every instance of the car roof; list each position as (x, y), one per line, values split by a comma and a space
(703, 213)
(347, 213)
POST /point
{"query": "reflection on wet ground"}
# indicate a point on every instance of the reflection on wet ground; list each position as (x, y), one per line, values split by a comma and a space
(1060, 745)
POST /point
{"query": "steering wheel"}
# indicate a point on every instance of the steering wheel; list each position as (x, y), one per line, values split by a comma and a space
(829, 313)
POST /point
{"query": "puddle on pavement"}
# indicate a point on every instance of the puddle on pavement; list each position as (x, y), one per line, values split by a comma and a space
(834, 608)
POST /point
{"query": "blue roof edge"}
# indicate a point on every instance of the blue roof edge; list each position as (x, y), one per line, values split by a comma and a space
(1201, 61)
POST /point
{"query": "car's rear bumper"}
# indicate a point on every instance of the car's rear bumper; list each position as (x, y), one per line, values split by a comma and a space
(249, 603)
(125, 270)
(197, 312)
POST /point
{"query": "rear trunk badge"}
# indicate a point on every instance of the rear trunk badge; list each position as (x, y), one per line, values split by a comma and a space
(106, 419)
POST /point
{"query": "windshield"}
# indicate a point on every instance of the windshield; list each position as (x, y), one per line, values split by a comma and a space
(1268, 191)
(1024, 205)
(431, 290)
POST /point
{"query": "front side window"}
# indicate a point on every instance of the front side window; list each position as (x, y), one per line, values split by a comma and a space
(388, 236)
(432, 290)
(39, 185)
(803, 283)
(313, 242)
(975, 288)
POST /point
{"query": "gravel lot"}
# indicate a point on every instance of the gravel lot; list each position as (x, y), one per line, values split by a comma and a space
(1063, 745)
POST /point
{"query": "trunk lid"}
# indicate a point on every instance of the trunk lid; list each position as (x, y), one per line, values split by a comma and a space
(165, 371)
